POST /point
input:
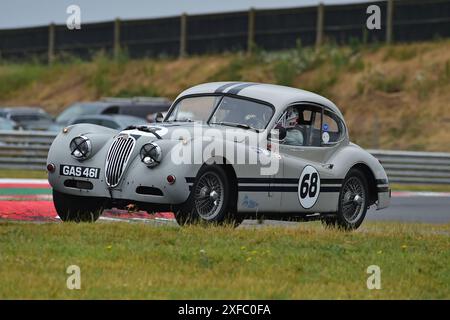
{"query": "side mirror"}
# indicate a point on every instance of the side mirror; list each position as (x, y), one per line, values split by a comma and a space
(159, 117)
(277, 134)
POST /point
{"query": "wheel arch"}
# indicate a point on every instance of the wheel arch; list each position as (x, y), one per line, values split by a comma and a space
(231, 176)
(371, 181)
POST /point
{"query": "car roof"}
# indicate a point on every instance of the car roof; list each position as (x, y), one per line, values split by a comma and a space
(278, 96)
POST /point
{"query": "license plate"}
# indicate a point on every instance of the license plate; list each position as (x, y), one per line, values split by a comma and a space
(78, 171)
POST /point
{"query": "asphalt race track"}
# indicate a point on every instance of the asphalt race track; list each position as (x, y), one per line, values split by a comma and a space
(428, 208)
(30, 200)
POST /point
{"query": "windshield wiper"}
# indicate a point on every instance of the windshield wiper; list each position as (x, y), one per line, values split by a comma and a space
(236, 125)
(181, 120)
(145, 128)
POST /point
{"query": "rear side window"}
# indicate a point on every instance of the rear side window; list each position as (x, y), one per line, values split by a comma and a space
(332, 128)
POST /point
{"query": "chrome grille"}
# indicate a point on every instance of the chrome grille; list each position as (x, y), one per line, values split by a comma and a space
(116, 161)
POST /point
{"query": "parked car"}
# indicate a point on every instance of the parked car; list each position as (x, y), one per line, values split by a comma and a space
(304, 165)
(6, 124)
(28, 118)
(113, 121)
(139, 107)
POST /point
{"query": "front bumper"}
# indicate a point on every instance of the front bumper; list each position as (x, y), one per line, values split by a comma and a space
(138, 184)
(384, 199)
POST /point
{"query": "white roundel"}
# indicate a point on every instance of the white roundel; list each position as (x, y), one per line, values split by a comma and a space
(308, 187)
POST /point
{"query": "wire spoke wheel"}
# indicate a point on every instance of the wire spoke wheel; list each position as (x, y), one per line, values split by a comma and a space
(209, 195)
(353, 201)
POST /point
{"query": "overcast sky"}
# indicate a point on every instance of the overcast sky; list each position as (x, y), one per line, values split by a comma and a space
(25, 13)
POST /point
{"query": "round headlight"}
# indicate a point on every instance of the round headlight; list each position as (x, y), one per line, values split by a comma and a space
(80, 147)
(151, 154)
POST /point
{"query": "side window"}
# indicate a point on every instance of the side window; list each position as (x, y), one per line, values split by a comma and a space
(302, 124)
(332, 128)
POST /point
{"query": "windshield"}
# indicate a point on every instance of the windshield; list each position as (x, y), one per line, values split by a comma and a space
(194, 109)
(76, 110)
(230, 111)
(241, 112)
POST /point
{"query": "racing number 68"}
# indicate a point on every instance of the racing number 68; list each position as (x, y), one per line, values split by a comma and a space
(309, 187)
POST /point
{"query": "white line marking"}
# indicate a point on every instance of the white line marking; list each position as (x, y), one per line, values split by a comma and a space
(37, 181)
(408, 194)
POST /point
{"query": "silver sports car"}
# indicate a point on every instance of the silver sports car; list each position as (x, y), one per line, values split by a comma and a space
(225, 152)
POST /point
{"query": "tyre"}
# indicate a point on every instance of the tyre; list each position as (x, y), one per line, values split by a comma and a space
(76, 208)
(210, 200)
(353, 203)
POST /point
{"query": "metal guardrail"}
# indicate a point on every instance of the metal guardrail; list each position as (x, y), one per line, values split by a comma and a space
(24, 149)
(415, 167)
(28, 150)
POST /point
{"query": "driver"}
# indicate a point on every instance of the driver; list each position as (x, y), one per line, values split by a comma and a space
(295, 132)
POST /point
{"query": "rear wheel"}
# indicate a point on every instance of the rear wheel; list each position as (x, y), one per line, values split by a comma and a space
(210, 199)
(353, 202)
(76, 208)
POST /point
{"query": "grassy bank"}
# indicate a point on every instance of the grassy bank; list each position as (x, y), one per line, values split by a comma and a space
(120, 260)
(388, 93)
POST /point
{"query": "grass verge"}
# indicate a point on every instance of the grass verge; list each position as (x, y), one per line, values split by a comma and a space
(126, 261)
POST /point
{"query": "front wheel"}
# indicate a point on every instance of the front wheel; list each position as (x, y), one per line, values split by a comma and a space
(76, 208)
(210, 199)
(353, 202)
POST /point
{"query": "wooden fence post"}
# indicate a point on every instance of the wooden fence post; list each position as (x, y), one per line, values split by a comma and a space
(389, 21)
(320, 24)
(183, 35)
(116, 38)
(251, 31)
(51, 44)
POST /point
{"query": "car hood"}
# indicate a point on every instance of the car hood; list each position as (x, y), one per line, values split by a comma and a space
(191, 130)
